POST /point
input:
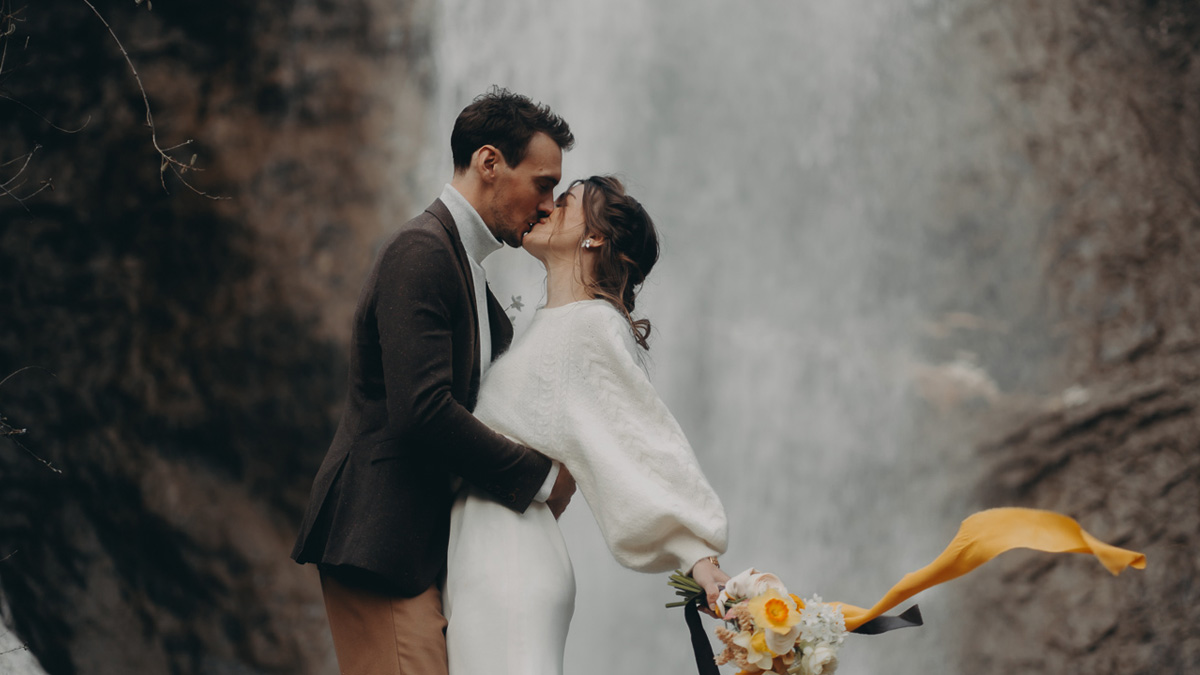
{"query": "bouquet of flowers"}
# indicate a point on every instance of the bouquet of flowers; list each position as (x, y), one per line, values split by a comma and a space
(768, 629)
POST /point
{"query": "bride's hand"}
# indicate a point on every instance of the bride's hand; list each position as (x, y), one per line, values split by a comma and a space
(712, 579)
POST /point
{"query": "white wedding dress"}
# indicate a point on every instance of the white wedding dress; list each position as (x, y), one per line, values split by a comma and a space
(571, 387)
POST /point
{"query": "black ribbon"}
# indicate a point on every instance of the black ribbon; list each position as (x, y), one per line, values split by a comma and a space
(707, 664)
(911, 618)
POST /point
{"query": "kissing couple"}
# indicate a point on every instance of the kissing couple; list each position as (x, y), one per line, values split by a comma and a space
(434, 516)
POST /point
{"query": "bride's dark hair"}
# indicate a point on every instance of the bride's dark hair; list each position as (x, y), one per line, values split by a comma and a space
(630, 246)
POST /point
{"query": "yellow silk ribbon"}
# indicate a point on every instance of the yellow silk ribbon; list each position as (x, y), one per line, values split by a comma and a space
(986, 535)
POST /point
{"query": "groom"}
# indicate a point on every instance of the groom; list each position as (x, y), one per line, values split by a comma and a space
(425, 330)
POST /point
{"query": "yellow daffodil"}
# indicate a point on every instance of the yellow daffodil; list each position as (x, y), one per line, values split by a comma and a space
(773, 610)
(779, 617)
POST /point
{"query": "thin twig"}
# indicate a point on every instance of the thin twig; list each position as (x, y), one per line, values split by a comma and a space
(28, 158)
(21, 370)
(167, 160)
(19, 199)
(11, 432)
(8, 24)
(46, 184)
(10, 194)
(15, 649)
(7, 429)
(12, 25)
(10, 19)
(9, 189)
(47, 463)
(43, 117)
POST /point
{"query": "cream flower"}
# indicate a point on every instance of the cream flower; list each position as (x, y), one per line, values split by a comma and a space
(757, 652)
(748, 584)
(819, 660)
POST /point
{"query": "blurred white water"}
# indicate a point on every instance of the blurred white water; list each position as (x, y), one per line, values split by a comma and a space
(15, 657)
(802, 162)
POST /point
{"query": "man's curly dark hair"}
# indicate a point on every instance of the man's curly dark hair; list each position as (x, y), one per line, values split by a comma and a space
(507, 121)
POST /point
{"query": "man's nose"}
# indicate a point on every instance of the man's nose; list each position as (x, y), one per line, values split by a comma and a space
(546, 207)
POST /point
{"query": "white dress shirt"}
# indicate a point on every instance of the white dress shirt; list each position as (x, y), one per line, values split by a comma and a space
(479, 242)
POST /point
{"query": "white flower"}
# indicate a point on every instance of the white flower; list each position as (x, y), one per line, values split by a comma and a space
(748, 584)
(822, 623)
(820, 660)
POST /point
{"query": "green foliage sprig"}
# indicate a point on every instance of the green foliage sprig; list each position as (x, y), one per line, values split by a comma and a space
(686, 587)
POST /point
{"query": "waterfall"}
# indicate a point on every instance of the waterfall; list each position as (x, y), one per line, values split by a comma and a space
(803, 163)
(15, 657)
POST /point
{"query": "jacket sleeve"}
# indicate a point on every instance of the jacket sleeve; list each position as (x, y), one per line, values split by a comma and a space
(629, 456)
(415, 313)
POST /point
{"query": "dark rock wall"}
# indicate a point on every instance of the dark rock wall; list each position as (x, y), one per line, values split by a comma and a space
(197, 346)
(1104, 99)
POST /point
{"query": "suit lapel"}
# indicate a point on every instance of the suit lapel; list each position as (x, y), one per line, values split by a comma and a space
(438, 210)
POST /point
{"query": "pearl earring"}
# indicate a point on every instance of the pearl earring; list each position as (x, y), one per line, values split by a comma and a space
(587, 243)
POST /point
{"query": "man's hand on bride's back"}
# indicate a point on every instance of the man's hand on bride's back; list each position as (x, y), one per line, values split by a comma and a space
(560, 494)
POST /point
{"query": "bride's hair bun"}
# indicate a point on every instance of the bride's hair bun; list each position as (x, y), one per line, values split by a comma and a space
(630, 250)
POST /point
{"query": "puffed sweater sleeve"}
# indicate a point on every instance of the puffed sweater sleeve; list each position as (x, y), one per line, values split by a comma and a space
(629, 457)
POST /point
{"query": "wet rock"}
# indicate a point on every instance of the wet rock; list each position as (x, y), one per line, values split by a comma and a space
(193, 350)
(1111, 90)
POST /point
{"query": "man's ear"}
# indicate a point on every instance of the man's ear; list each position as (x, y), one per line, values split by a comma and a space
(485, 161)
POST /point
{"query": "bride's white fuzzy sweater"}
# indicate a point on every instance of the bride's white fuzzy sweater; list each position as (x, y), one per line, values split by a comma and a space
(572, 387)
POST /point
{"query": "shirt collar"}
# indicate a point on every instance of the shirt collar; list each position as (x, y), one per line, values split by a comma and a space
(478, 241)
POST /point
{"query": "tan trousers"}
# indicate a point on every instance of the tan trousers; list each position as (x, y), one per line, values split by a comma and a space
(380, 635)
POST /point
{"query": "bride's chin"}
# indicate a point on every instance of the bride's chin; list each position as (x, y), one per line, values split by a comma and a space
(532, 248)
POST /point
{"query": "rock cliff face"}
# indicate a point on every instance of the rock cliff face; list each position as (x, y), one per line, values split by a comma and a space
(196, 345)
(1107, 95)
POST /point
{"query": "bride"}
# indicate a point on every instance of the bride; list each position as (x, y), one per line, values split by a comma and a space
(573, 387)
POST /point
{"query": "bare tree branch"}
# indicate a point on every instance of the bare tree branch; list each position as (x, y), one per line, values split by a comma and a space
(168, 162)
(10, 432)
(9, 189)
(9, 19)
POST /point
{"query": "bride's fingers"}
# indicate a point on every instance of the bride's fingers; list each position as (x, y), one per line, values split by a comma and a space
(714, 592)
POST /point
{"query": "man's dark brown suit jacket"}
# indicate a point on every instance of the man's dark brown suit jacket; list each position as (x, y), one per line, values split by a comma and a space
(379, 513)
